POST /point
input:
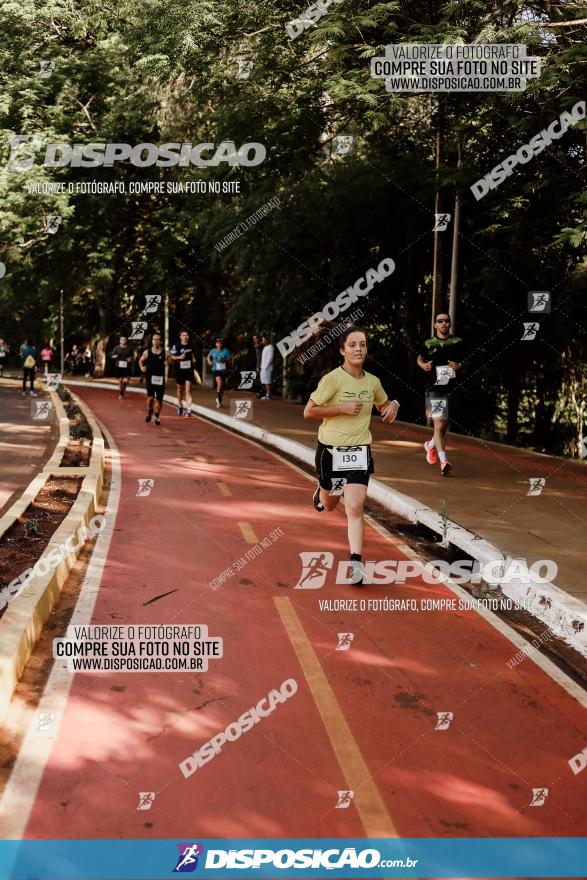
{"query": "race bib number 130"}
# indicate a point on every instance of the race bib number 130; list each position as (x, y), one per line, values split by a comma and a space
(349, 458)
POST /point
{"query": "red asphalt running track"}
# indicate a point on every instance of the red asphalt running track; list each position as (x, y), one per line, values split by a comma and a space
(372, 724)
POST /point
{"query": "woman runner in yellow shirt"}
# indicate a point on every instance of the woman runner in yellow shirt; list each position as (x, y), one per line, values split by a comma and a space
(344, 401)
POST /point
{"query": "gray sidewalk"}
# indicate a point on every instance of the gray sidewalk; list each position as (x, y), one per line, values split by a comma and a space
(25, 445)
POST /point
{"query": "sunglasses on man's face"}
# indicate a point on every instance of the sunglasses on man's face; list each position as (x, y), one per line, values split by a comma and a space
(443, 321)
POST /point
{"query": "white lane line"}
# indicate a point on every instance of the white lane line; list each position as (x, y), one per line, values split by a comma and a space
(21, 790)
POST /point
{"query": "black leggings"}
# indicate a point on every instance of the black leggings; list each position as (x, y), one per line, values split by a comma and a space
(28, 372)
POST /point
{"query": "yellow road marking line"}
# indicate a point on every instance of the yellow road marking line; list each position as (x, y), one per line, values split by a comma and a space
(224, 489)
(370, 806)
(248, 533)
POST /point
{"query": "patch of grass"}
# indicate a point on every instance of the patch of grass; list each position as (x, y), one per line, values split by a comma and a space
(32, 526)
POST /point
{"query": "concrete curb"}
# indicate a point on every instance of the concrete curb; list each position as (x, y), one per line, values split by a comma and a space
(22, 624)
(563, 614)
(64, 436)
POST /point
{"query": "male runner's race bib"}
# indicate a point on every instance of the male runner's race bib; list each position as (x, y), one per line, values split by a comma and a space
(122, 365)
(444, 374)
(185, 365)
(2, 354)
(349, 458)
(220, 365)
(156, 380)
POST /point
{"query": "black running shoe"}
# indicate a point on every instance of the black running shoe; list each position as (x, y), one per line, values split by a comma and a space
(316, 500)
(157, 419)
(149, 416)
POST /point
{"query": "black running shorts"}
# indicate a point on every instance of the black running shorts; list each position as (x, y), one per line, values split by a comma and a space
(156, 391)
(327, 476)
(183, 376)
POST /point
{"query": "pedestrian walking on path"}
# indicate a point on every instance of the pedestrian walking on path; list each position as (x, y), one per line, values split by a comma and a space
(30, 356)
(344, 402)
(152, 364)
(441, 359)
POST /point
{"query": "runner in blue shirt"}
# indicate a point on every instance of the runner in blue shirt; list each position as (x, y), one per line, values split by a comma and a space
(218, 359)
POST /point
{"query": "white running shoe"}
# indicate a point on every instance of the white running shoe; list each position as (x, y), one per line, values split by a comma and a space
(356, 572)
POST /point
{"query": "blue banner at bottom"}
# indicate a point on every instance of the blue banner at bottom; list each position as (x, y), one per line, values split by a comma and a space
(339, 858)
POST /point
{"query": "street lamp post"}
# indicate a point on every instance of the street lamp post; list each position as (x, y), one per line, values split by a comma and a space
(61, 342)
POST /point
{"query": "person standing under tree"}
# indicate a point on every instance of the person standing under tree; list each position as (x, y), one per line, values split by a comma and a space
(266, 373)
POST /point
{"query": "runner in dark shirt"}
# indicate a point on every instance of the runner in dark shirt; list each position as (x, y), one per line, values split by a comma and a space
(122, 356)
(441, 358)
(182, 356)
(152, 363)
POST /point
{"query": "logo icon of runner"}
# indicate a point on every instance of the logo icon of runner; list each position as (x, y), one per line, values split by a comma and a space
(138, 329)
(539, 301)
(45, 70)
(41, 410)
(245, 66)
(45, 721)
(530, 331)
(247, 379)
(444, 719)
(441, 222)
(241, 409)
(145, 487)
(146, 799)
(152, 303)
(315, 567)
(342, 144)
(344, 641)
(537, 484)
(52, 223)
(438, 407)
(344, 799)
(189, 854)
